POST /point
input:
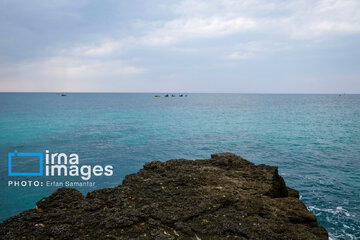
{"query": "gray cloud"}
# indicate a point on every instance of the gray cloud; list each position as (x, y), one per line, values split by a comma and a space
(193, 45)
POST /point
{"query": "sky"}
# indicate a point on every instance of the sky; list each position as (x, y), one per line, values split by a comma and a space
(248, 46)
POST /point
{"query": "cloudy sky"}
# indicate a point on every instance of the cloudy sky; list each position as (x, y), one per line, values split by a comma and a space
(248, 46)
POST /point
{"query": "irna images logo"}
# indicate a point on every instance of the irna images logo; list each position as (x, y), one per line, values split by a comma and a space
(23, 157)
(56, 164)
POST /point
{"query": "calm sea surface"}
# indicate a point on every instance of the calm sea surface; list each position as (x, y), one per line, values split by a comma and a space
(314, 139)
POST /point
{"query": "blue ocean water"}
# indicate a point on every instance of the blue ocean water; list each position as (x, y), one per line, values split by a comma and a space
(314, 139)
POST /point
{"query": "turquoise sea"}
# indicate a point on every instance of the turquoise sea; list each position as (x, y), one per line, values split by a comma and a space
(314, 139)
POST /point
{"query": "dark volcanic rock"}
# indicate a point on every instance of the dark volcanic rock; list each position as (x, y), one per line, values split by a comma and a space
(225, 197)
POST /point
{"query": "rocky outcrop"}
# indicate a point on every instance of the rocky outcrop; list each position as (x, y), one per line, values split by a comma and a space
(225, 197)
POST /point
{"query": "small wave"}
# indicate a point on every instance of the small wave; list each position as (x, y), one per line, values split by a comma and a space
(337, 210)
(340, 223)
(341, 236)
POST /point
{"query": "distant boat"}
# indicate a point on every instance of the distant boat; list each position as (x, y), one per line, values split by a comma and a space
(156, 96)
(173, 95)
(63, 94)
(167, 95)
(180, 95)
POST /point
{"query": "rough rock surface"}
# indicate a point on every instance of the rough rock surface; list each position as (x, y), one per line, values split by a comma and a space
(225, 197)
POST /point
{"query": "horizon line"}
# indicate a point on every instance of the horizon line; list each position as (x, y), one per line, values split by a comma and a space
(170, 92)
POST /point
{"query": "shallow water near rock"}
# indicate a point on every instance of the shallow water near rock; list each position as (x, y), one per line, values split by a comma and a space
(313, 139)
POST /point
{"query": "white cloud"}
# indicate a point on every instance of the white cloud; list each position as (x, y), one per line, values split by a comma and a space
(240, 55)
(284, 25)
(57, 73)
(178, 30)
(299, 19)
(100, 49)
(105, 48)
(246, 50)
(318, 20)
(256, 49)
(200, 20)
(327, 26)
